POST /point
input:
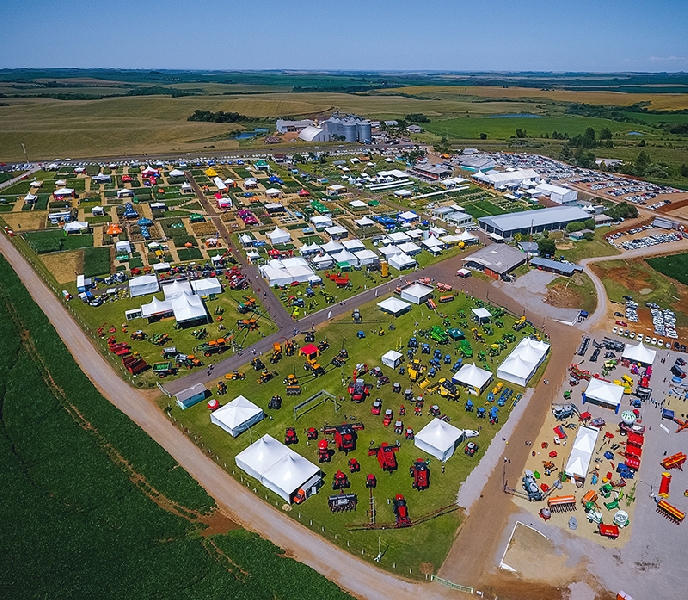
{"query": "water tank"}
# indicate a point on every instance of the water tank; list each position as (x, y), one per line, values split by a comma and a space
(364, 133)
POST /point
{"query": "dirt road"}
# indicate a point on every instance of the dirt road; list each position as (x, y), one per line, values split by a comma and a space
(239, 503)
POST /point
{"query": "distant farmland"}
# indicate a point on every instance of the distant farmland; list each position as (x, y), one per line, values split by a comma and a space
(675, 266)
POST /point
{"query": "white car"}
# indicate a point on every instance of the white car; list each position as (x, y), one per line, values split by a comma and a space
(653, 341)
(632, 336)
(640, 337)
(614, 330)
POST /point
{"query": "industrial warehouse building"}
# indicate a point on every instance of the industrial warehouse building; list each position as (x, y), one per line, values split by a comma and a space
(556, 193)
(532, 221)
(496, 260)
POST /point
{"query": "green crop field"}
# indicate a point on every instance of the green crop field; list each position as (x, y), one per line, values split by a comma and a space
(408, 548)
(96, 261)
(675, 266)
(74, 520)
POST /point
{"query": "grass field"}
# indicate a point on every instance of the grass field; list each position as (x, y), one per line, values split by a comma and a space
(406, 549)
(91, 505)
(675, 266)
(587, 249)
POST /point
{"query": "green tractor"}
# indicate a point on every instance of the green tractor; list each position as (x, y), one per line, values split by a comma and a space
(465, 349)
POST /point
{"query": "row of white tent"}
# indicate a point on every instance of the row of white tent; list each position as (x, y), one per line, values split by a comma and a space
(522, 362)
(287, 271)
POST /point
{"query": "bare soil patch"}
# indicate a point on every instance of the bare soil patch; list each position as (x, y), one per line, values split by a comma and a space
(561, 296)
(25, 220)
(64, 265)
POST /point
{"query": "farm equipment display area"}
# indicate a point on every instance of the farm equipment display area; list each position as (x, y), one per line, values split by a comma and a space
(392, 438)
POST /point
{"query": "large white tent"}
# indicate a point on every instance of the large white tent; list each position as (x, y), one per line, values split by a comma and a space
(320, 222)
(279, 468)
(155, 308)
(640, 354)
(205, 287)
(402, 261)
(392, 358)
(237, 416)
(473, 377)
(323, 261)
(581, 453)
(332, 247)
(275, 275)
(389, 250)
(394, 306)
(399, 237)
(523, 361)
(416, 293)
(279, 236)
(367, 257)
(287, 271)
(604, 393)
(188, 308)
(439, 439)
(353, 245)
(346, 256)
(176, 289)
(432, 244)
(364, 222)
(409, 248)
(140, 286)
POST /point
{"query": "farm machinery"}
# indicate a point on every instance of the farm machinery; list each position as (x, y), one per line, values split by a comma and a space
(138, 335)
(159, 339)
(266, 376)
(247, 306)
(289, 348)
(340, 481)
(345, 435)
(275, 402)
(276, 353)
(420, 471)
(212, 347)
(359, 390)
(163, 369)
(470, 449)
(401, 514)
(520, 324)
(221, 388)
(386, 456)
(249, 324)
(314, 367)
(257, 364)
(187, 360)
(235, 376)
(342, 502)
(290, 436)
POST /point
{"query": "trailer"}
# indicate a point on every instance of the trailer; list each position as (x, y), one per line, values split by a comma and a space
(561, 503)
(675, 461)
(342, 502)
(670, 512)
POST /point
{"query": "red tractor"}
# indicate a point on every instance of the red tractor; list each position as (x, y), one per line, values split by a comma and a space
(387, 419)
(324, 454)
(290, 436)
(471, 448)
(354, 466)
(409, 435)
(358, 390)
(398, 426)
(371, 481)
(344, 435)
(340, 481)
(385, 456)
(420, 471)
(311, 433)
(376, 408)
(401, 512)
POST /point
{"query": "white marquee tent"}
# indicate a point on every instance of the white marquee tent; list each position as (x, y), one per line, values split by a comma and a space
(364, 222)
(473, 377)
(402, 261)
(394, 306)
(140, 286)
(188, 308)
(332, 247)
(322, 261)
(640, 354)
(176, 288)
(205, 287)
(155, 308)
(439, 439)
(367, 257)
(237, 416)
(416, 293)
(389, 250)
(409, 248)
(279, 468)
(353, 245)
(279, 236)
(392, 358)
(581, 453)
(523, 361)
(399, 237)
(603, 393)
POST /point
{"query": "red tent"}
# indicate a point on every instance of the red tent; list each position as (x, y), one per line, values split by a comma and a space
(309, 351)
(303, 193)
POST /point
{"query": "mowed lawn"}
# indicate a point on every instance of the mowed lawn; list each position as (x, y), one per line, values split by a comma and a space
(505, 127)
(406, 549)
(675, 266)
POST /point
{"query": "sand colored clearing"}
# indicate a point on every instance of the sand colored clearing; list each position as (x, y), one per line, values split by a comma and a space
(25, 220)
(64, 265)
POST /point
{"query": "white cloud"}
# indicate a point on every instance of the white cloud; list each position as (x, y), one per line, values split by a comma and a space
(671, 58)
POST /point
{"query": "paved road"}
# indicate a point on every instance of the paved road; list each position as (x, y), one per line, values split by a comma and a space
(360, 578)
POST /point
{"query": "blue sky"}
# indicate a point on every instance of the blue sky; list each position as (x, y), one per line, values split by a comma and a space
(496, 35)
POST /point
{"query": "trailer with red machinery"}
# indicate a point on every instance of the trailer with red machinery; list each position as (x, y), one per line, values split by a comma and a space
(675, 461)
(401, 512)
(420, 471)
(610, 531)
(670, 512)
(134, 364)
(386, 456)
(345, 435)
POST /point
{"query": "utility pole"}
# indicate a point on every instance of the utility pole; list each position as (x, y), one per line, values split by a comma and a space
(26, 160)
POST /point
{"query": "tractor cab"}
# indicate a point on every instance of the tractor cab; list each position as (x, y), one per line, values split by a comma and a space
(471, 448)
(354, 466)
(324, 454)
(409, 435)
(481, 413)
(358, 390)
(376, 408)
(257, 364)
(340, 481)
(420, 471)
(401, 511)
(387, 419)
(290, 436)
(275, 402)
(345, 435)
(386, 457)
(371, 481)
(435, 410)
(311, 433)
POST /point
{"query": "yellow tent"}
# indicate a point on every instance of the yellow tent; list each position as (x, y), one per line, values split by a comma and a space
(210, 172)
